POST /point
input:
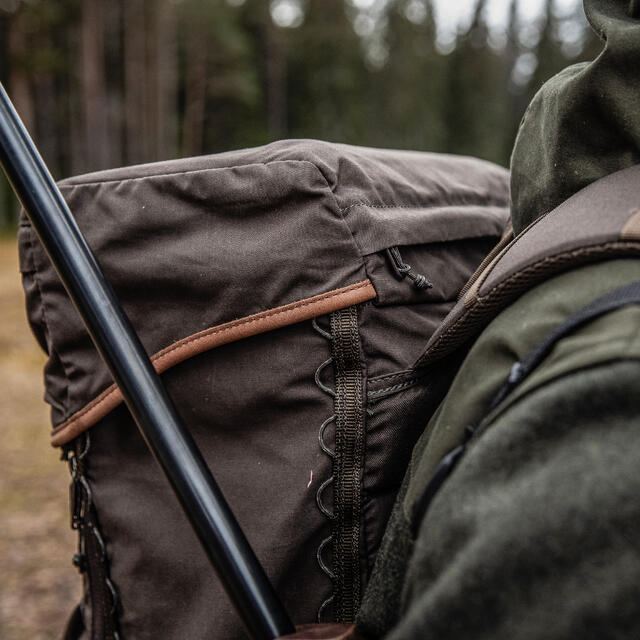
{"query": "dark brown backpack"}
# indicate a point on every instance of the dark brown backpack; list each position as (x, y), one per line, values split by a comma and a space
(318, 272)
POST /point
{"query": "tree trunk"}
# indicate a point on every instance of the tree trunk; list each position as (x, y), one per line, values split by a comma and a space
(96, 136)
(166, 79)
(19, 87)
(195, 91)
(134, 75)
(276, 71)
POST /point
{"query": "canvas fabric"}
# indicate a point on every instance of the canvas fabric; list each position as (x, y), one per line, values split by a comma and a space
(203, 243)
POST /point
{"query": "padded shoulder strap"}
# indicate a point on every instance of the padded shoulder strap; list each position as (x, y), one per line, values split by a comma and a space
(600, 222)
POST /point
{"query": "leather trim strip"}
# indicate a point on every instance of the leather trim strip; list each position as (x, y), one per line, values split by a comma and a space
(631, 230)
(330, 631)
(213, 337)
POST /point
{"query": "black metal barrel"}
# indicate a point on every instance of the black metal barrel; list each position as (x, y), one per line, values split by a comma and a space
(224, 542)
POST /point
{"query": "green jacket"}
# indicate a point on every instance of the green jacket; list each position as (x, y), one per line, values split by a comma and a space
(535, 532)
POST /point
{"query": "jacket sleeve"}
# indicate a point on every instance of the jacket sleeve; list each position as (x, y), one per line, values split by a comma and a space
(536, 533)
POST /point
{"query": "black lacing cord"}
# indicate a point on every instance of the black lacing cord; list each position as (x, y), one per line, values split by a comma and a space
(329, 481)
(404, 270)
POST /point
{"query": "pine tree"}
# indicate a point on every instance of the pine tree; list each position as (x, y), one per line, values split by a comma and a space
(411, 81)
(473, 101)
(327, 76)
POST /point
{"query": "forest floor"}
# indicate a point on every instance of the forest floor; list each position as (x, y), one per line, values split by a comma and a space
(38, 584)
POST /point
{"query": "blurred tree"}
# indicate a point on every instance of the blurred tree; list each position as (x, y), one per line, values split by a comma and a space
(6, 202)
(94, 93)
(165, 56)
(549, 54)
(409, 85)
(475, 95)
(220, 83)
(102, 84)
(328, 78)
(514, 96)
(150, 79)
(134, 76)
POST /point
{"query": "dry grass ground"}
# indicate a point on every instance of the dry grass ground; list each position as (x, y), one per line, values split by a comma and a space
(38, 584)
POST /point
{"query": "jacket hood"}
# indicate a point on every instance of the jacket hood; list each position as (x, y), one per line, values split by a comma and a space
(584, 123)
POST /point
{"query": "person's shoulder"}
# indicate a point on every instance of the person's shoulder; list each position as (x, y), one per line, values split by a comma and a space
(585, 343)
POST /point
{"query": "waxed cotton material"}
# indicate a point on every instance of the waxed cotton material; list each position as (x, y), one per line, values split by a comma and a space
(546, 539)
(584, 123)
(192, 244)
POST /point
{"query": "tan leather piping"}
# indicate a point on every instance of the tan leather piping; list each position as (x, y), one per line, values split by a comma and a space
(631, 230)
(213, 337)
(327, 631)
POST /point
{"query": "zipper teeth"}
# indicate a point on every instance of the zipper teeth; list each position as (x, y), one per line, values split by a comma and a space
(349, 454)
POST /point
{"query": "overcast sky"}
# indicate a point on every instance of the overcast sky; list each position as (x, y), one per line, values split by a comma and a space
(452, 16)
(452, 12)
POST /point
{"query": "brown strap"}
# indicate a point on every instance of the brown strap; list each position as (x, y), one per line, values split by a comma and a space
(349, 410)
(213, 337)
(330, 631)
(631, 230)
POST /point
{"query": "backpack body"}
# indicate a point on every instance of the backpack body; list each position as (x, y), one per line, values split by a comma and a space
(480, 511)
(285, 293)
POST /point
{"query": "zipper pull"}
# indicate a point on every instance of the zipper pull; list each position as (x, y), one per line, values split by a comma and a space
(403, 270)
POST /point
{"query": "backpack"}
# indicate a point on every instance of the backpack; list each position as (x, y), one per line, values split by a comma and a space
(285, 294)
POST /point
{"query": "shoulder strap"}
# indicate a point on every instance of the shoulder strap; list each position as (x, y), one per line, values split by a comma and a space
(601, 222)
(611, 301)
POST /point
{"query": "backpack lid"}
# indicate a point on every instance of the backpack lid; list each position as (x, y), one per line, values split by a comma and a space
(208, 250)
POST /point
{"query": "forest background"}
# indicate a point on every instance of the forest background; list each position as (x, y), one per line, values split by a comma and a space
(105, 83)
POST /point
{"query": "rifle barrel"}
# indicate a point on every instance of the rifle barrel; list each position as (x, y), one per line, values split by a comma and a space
(211, 517)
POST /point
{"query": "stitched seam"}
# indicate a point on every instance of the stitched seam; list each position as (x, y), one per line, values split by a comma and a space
(340, 214)
(45, 324)
(76, 416)
(186, 173)
(162, 354)
(482, 304)
(395, 387)
(391, 376)
(621, 347)
(425, 205)
(483, 276)
(488, 420)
